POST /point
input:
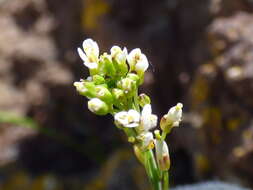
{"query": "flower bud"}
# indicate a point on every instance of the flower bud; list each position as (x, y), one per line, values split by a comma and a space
(157, 134)
(131, 139)
(117, 93)
(134, 77)
(98, 107)
(143, 99)
(106, 65)
(172, 118)
(104, 94)
(97, 79)
(126, 84)
(162, 155)
(86, 88)
(80, 87)
(119, 58)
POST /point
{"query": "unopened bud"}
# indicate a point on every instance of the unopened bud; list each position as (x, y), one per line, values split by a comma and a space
(104, 94)
(85, 88)
(119, 59)
(107, 65)
(172, 118)
(144, 99)
(131, 139)
(157, 134)
(117, 93)
(127, 84)
(97, 106)
(97, 79)
(134, 77)
(162, 155)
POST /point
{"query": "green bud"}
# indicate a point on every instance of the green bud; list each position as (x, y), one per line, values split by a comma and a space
(119, 59)
(107, 65)
(126, 84)
(86, 88)
(98, 106)
(80, 87)
(118, 97)
(143, 99)
(131, 139)
(134, 77)
(117, 93)
(97, 79)
(104, 94)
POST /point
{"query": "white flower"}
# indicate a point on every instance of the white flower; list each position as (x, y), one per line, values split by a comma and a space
(174, 116)
(137, 60)
(162, 155)
(148, 120)
(128, 119)
(147, 140)
(89, 54)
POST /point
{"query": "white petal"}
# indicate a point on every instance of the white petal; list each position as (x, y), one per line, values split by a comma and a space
(142, 64)
(147, 110)
(91, 65)
(174, 115)
(134, 52)
(134, 114)
(121, 117)
(125, 51)
(95, 104)
(132, 125)
(82, 54)
(161, 148)
(131, 58)
(147, 139)
(115, 50)
(148, 120)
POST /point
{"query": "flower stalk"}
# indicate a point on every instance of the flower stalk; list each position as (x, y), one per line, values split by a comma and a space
(112, 88)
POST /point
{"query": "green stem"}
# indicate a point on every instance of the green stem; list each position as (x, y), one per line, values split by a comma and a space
(152, 170)
(136, 101)
(165, 180)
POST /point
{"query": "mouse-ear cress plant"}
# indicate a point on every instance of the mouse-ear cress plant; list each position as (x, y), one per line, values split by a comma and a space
(112, 88)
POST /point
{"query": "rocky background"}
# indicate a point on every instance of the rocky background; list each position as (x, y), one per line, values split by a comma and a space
(201, 52)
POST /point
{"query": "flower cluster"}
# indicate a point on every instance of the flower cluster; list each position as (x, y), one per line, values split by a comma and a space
(112, 87)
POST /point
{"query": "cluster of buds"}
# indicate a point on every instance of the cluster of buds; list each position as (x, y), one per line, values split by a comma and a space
(112, 88)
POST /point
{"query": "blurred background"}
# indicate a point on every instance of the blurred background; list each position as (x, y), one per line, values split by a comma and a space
(201, 54)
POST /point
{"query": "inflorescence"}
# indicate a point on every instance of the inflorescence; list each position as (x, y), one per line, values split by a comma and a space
(112, 88)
